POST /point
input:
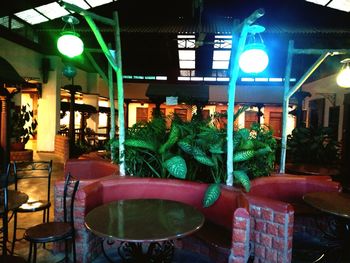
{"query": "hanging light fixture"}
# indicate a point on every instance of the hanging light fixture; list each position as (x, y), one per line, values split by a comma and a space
(69, 43)
(343, 78)
(254, 58)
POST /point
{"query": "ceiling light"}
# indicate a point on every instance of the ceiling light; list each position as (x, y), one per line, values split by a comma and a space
(69, 43)
(343, 78)
(254, 58)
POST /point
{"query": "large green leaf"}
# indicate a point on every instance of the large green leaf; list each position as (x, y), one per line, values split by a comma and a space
(243, 155)
(211, 195)
(140, 144)
(185, 145)
(263, 151)
(216, 148)
(246, 145)
(173, 137)
(176, 166)
(242, 178)
(201, 157)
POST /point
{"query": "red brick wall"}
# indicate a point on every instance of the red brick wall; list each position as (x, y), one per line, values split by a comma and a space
(62, 147)
(271, 233)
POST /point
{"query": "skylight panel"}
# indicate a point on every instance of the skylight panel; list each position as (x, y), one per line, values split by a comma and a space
(4, 21)
(187, 55)
(319, 2)
(221, 55)
(15, 24)
(95, 3)
(190, 64)
(81, 3)
(31, 16)
(343, 5)
(52, 10)
(217, 64)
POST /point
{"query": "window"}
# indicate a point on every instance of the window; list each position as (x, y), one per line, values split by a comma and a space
(182, 113)
(222, 52)
(141, 114)
(187, 55)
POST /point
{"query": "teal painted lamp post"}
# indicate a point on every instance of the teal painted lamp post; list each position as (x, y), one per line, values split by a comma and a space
(69, 43)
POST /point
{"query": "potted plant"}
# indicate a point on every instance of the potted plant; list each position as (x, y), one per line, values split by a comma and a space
(22, 126)
(313, 151)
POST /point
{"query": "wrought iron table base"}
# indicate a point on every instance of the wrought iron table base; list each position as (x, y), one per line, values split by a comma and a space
(135, 252)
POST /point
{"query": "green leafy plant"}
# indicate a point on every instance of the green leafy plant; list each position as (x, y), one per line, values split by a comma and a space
(197, 151)
(313, 146)
(22, 124)
(149, 150)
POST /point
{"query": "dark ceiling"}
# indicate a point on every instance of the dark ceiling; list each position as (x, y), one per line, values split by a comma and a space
(149, 30)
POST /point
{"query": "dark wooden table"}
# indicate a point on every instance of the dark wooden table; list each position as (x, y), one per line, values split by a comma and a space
(141, 222)
(338, 231)
(15, 200)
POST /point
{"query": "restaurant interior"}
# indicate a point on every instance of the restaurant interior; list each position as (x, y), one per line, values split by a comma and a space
(186, 131)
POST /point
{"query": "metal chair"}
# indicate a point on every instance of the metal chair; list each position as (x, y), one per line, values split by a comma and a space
(56, 231)
(4, 209)
(32, 170)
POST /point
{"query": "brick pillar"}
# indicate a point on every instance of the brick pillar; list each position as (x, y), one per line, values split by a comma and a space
(240, 236)
(271, 233)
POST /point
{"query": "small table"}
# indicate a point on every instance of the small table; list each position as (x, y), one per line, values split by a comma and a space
(137, 221)
(337, 204)
(15, 200)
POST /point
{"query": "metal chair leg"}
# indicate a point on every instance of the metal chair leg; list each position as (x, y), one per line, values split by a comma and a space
(74, 251)
(30, 251)
(66, 250)
(14, 235)
(35, 250)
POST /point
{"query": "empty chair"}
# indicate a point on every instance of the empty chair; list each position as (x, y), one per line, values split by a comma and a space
(4, 209)
(26, 172)
(56, 231)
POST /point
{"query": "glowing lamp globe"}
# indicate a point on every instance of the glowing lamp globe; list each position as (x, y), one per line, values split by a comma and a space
(70, 44)
(254, 58)
(343, 78)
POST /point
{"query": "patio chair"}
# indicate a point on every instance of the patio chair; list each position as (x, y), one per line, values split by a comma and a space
(56, 231)
(4, 209)
(32, 170)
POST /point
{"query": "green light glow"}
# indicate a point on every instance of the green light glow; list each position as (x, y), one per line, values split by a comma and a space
(70, 45)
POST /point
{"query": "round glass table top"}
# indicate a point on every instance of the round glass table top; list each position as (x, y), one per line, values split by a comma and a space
(330, 202)
(15, 200)
(144, 220)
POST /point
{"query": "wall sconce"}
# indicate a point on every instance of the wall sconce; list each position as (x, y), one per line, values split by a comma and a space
(343, 78)
(69, 43)
(254, 58)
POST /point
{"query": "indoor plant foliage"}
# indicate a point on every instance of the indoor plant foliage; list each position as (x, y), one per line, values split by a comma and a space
(197, 150)
(22, 125)
(313, 146)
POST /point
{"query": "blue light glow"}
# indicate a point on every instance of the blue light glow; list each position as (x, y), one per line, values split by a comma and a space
(254, 59)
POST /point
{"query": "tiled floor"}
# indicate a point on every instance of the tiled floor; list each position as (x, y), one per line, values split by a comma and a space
(35, 189)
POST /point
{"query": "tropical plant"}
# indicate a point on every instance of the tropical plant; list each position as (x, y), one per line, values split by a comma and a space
(313, 146)
(149, 150)
(197, 151)
(22, 124)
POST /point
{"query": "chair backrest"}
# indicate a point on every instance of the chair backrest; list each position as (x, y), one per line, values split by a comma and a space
(4, 206)
(4, 178)
(69, 191)
(33, 170)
